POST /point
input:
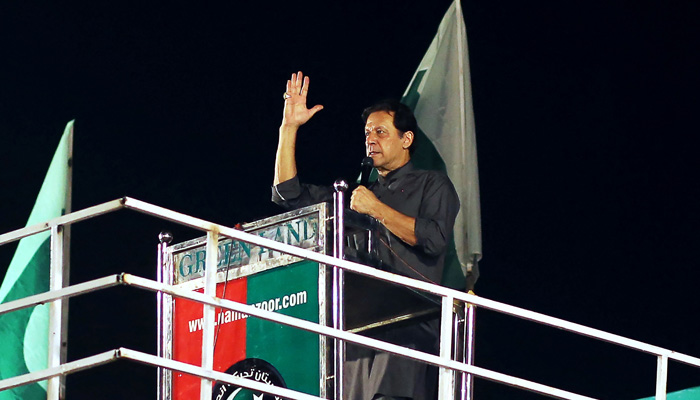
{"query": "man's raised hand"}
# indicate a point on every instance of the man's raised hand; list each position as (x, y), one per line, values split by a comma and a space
(295, 111)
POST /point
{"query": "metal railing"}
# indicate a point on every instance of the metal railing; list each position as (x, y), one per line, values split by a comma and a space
(446, 365)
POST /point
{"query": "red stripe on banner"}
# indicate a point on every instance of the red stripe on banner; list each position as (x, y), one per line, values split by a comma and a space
(230, 345)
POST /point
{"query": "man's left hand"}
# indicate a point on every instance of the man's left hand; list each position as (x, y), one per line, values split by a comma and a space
(403, 226)
(364, 201)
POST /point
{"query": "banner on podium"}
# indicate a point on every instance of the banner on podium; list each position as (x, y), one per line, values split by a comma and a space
(246, 346)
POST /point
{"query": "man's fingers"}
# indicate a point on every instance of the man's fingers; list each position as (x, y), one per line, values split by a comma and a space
(298, 82)
(299, 85)
(292, 84)
(352, 200)
(305, 86)
(359, 189)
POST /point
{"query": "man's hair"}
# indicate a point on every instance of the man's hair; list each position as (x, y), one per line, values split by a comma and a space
(404, 120)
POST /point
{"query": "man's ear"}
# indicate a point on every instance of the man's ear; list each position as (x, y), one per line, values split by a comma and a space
(408, 138)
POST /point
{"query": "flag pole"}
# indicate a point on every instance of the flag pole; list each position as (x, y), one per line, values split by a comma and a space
(467, 384)
(58, 279)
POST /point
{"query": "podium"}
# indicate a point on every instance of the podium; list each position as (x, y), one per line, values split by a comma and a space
(262, 350)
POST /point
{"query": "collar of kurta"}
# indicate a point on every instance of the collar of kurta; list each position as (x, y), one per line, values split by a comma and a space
(396, 174)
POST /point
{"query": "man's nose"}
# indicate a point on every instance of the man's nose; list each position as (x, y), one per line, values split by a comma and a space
(371, 138)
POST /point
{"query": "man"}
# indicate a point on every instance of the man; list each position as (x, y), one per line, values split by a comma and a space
(417, 210)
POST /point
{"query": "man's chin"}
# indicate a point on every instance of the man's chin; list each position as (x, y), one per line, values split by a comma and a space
(378, 164)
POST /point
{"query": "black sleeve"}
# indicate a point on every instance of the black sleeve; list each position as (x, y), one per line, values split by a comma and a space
(437, 215)
(292, 194)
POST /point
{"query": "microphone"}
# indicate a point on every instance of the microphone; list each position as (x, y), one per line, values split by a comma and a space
(367, 165)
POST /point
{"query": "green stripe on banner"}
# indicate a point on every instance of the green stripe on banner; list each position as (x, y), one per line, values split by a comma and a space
(291, 290)
(16, 327)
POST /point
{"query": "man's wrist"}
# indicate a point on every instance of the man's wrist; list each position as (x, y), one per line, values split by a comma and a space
(377, 212)
(289, 128)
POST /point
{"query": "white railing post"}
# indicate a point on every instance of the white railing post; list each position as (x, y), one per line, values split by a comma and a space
(340, 187)
(469, 338)
(164, 314)
(209, 312)
(446, 375)
(53, 389)
(661, 376)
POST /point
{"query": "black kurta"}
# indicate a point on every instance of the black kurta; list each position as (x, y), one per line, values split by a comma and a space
(430, 198)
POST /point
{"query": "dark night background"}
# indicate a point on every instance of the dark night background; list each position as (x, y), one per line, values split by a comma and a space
(586, 129)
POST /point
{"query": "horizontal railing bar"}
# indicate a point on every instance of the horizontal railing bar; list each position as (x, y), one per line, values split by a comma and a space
(63, 369)
(152, 360)
(405, 281)
(171, 215)
(143, 283)
(67, 219)
(583, 330)
(684, 358)
(69, 291)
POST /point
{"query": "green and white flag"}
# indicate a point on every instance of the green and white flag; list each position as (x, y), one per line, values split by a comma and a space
(24, 333)
(441, 99)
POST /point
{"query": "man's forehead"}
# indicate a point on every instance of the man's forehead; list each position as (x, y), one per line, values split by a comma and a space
(380, 118)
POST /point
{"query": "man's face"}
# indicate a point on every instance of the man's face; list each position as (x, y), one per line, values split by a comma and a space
(383, 143)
